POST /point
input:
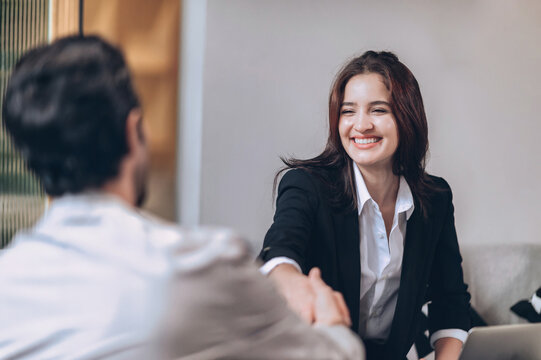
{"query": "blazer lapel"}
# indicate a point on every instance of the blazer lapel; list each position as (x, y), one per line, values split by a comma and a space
(416, 251)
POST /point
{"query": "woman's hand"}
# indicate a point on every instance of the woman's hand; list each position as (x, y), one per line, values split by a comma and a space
(330, 307)
(297, 290)
(447, 349)
(310, 297)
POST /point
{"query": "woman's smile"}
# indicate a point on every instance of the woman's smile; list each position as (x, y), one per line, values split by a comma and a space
(365, 143)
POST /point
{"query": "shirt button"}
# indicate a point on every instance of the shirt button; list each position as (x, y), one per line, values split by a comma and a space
(381, 236)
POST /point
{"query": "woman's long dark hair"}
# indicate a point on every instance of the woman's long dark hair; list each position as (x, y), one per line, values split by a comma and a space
(334, 166)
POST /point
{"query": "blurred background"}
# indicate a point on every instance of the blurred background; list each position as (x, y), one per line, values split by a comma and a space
(148, 32)
(230, 85)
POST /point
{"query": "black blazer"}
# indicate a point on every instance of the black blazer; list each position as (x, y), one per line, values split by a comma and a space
(309, 230)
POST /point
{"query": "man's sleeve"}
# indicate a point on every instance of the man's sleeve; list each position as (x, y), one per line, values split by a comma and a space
(222, 307)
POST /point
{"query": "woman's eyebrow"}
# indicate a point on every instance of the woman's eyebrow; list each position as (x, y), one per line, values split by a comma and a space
(373, 103)
(379, 102)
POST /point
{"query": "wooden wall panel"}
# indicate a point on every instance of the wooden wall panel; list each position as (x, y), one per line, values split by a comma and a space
(64, 18)
(148, 33)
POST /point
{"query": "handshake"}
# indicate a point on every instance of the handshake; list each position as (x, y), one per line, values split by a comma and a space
(309, 296)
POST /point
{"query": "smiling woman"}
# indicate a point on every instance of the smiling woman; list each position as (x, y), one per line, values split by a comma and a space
(367, 126)
(367, 214)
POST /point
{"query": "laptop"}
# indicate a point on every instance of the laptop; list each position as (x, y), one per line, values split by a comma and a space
(506, 342)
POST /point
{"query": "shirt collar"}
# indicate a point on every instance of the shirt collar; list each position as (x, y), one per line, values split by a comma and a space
(404, 198)
(88, 197)
(362, 192)
(84, 202)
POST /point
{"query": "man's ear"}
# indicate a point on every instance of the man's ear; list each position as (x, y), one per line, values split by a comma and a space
(134, 129)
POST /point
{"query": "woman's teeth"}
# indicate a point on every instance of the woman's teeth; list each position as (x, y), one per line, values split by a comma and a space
(366, 141)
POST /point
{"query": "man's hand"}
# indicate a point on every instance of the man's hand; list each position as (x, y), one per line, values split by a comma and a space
(330, 307)
(297, 290)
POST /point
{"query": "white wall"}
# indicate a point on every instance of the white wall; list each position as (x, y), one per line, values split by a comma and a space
(269, 65)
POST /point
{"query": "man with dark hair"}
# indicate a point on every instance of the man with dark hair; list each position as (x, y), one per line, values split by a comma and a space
(97, 278)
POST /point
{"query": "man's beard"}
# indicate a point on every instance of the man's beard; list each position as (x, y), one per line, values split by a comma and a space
(141, 197)
(141, 181)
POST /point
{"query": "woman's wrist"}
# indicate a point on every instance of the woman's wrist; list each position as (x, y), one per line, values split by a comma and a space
(448, 348)
(283, 270)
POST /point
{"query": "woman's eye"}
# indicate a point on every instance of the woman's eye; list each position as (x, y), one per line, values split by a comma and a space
(380, 111)
(347, 111)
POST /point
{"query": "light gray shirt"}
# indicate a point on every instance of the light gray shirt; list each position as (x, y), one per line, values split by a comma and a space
(97, 279)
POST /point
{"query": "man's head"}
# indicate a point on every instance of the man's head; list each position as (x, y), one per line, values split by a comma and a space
(72, 111)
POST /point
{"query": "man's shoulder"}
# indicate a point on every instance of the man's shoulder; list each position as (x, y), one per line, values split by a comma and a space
(192, 248)
(129, 235)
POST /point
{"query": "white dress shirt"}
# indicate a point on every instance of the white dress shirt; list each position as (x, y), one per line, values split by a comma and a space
(96, 279)
(381, 258)
(381, 262)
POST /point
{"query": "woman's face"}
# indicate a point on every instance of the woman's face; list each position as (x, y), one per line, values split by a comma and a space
(367, 126)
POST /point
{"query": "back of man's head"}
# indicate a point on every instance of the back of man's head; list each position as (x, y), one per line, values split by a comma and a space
(66, 107)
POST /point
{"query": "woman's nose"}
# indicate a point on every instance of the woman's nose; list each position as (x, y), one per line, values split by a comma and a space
(363, 123)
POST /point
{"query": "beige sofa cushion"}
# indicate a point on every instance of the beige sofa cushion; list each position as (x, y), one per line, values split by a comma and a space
(500, 275)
